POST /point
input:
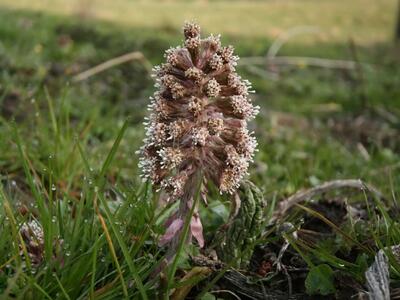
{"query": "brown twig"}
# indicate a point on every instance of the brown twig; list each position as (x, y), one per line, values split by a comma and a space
(301, 196)
(136, 55)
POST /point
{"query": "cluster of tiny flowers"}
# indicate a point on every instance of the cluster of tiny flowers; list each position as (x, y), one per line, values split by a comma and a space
(198, 117)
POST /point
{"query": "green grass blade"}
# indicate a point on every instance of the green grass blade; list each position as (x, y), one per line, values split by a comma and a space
(112, 250)
(113, 150)
(124, 249)
(64, 292)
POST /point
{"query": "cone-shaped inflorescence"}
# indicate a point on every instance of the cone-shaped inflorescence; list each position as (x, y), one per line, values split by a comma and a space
(197, 125)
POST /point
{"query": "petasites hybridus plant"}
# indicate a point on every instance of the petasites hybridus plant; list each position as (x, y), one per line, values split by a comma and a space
(197, 129)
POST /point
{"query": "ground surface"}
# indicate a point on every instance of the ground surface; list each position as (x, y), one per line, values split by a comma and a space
(67, 149)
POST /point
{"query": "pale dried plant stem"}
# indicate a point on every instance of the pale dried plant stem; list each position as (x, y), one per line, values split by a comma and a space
(300, 61)
(136, 55)
(272, 60)
(287, 35)
(301, 196)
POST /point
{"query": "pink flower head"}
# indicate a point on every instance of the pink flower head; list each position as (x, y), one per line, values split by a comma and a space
(198, 117)
(198, 120)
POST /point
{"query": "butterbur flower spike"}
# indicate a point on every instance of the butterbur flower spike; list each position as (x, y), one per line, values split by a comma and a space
(197, 125)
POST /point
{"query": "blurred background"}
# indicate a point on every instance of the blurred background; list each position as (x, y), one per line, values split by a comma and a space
(73, 72)
(368, 22)
(326, 75)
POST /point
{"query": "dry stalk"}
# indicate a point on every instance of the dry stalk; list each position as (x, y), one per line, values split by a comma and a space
(136, 55)
(301, 196)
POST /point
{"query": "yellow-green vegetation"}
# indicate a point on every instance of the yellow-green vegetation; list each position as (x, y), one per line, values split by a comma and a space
(366, 21)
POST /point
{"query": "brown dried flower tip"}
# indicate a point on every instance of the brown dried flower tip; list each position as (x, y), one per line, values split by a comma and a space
(192, 43)
(198, 122)
(195, 74)
(195, 106)
(227, 54)
(191, 30)
(174, 185)
(215, 126)
(33, 236)
(216, 62)
(213, 88)
(199, 136)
